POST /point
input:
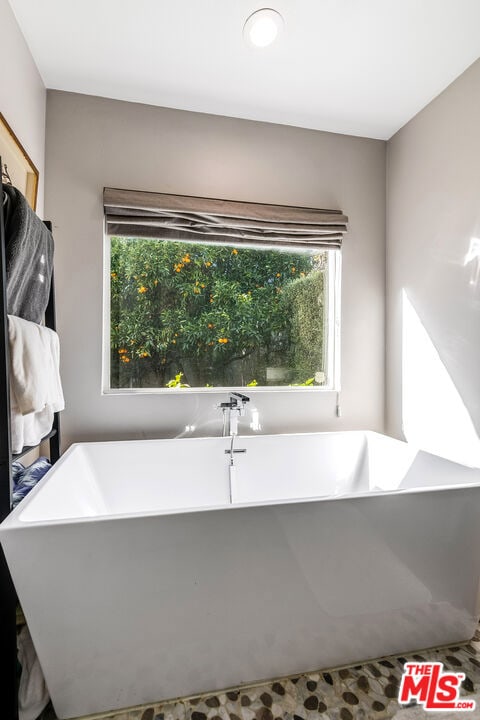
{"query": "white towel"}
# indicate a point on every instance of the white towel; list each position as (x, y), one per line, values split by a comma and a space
(34, 364)
(32, 692)
(36, 389)
(28, 430)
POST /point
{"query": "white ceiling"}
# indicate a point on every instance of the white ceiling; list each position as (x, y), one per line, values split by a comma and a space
(361, 67)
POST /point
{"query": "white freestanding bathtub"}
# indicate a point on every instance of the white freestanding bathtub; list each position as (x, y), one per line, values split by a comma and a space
(141, 581)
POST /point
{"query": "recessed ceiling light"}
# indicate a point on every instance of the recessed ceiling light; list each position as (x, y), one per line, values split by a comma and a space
(263, 27)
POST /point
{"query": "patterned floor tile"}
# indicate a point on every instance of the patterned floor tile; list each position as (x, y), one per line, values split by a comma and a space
(166, 711)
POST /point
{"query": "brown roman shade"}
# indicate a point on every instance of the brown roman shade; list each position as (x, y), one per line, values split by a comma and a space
(131, 213)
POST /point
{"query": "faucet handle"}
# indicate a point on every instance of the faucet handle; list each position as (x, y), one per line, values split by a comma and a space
(243, 398)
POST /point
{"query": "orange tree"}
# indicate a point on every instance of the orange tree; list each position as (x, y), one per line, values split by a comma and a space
(216, 314)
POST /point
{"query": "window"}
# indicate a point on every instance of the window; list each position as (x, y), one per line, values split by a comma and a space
(184, 314)
(209, 293)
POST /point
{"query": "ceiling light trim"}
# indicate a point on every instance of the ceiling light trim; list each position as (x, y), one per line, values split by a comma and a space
(262, 28)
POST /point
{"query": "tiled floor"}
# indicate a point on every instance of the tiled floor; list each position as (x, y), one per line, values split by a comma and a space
(363, 692)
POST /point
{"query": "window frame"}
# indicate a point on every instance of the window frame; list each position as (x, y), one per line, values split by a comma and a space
(331, 319)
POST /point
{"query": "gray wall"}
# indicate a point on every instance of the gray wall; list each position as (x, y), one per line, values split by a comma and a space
(22, 94)
(93, 142)
(433, 211)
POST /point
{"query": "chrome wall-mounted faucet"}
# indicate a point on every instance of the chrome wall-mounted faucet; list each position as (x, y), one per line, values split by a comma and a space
(232, 410)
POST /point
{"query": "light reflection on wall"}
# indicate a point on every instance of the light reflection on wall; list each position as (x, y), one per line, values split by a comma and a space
(434, 416)
(473, 258)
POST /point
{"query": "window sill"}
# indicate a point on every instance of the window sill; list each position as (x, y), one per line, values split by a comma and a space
(220, 390)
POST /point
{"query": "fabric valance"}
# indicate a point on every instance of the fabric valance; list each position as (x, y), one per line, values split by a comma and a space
(131, 213)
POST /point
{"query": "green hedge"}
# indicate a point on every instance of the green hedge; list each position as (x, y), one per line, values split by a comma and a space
(305, 300)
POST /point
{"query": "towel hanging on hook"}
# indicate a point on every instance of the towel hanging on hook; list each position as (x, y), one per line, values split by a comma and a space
(29, 257)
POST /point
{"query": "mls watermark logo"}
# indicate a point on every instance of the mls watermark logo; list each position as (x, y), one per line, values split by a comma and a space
(429, 686)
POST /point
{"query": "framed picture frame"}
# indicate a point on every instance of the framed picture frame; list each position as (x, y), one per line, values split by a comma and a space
(17, 167)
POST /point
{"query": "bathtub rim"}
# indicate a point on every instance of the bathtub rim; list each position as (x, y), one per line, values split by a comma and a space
(14, 520)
